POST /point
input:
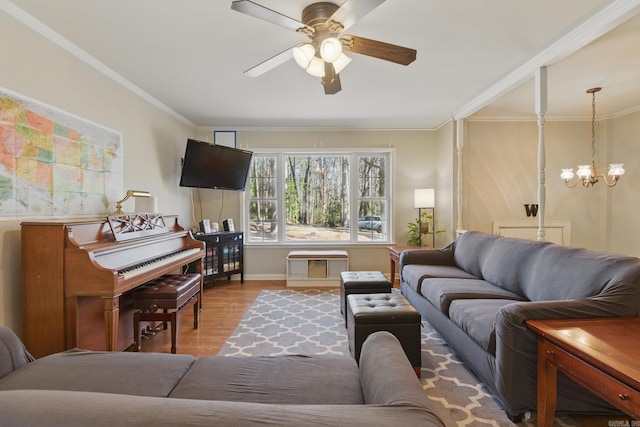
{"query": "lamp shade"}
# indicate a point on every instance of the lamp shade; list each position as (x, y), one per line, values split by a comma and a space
(303, 54)
(316, 67)
(424, 198)
(616, 169)
(584, 171)
(341, 62)
(566, 174)
(330, 49)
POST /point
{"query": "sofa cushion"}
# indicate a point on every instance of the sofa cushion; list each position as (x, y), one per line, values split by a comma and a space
(20, 408)
(414, 274)
(442, 292)
(514, 263)
(279, 379)
(477, 318)
(564, 273)
(471, 251)
(141, 374)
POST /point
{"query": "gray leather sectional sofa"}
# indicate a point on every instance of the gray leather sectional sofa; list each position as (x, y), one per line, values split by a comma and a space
(85, 388)
(479, 291)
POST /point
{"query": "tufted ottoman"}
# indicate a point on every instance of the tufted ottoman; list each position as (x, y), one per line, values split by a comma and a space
(170, 293)
(369, 313)
(361, 282)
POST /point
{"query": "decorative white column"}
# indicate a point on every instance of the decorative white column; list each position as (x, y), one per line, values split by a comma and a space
(459, 146)
(541, 109)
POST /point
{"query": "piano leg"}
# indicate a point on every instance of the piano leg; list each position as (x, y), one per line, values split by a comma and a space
(111, 319)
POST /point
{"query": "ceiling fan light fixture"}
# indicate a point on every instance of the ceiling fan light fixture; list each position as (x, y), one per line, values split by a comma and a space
(341, 62)
(330, 49)
(303, 54)
(316, 67)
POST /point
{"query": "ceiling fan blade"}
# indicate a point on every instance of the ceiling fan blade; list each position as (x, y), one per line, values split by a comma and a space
(258, 11)
(331, 80)
(353, 10)
(270, 63)
(381, 50)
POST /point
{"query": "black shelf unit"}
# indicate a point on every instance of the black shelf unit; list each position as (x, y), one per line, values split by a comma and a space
(224, 254)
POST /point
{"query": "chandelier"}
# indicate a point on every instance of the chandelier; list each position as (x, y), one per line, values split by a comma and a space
(587, 174)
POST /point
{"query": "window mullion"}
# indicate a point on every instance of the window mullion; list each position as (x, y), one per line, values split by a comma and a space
(280, 192)
(354, 198)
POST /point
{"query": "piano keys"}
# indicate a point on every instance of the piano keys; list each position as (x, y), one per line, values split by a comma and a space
(77, 278)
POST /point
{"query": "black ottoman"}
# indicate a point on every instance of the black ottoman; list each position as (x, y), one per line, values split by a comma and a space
(361, 282)
(369, 313)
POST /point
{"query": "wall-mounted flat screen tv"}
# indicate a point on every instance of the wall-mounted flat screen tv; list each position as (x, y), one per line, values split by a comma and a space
(208, 165)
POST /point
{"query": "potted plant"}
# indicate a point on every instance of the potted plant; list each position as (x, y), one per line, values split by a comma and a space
(419, 226)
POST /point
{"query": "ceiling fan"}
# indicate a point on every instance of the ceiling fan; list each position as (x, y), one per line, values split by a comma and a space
(324, 24)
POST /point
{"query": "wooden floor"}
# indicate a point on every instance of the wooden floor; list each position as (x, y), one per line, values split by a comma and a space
(224, 304)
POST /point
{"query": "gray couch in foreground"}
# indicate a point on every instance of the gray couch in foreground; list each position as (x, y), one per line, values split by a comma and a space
(87, 388)
(479, 291)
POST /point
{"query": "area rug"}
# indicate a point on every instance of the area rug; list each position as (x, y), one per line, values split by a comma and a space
(309, 322)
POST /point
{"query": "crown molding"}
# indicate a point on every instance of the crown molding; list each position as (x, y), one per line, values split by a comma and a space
(65, 44)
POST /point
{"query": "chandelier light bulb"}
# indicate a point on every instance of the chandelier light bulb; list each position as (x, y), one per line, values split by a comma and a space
(303, 54)
(330, 49)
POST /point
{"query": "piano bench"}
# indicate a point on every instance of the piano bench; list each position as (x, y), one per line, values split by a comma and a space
(170, 293)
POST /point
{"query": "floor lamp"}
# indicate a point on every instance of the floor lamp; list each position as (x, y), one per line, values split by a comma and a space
(424, 198)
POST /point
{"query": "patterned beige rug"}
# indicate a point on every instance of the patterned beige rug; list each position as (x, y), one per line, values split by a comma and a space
(309, 322)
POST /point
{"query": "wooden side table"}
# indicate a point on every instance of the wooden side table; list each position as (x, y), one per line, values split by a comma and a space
(394, 258)
(600, 354)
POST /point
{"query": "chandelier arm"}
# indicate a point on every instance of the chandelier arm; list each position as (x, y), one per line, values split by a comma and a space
(612, 184)
(566, 181)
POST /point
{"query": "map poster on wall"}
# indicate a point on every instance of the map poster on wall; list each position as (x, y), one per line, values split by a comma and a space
(53, 163)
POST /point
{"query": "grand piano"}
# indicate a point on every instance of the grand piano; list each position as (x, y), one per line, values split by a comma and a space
(77, 277)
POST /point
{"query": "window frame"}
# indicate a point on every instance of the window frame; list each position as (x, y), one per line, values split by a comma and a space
(354, 156)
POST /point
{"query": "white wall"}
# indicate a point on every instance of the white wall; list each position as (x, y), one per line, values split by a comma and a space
(153, 140)
(625, 198)
(500, 176)
(416, 165)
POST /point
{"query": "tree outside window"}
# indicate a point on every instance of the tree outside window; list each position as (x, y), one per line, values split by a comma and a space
(325, 197)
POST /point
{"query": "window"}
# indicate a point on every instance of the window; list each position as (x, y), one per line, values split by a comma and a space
(319, 197)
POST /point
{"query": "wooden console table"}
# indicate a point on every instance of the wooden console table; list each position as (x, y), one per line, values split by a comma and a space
(600, 354)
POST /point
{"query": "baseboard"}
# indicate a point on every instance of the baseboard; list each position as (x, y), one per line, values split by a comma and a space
(265, 277)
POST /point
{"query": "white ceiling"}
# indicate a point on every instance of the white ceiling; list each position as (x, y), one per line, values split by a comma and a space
(190, 56)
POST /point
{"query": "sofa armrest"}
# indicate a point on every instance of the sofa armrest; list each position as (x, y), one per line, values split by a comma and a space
(386, 375)
(517, 314)
(13, 354)
(442, 256)
(516, 344)
(514, 336)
